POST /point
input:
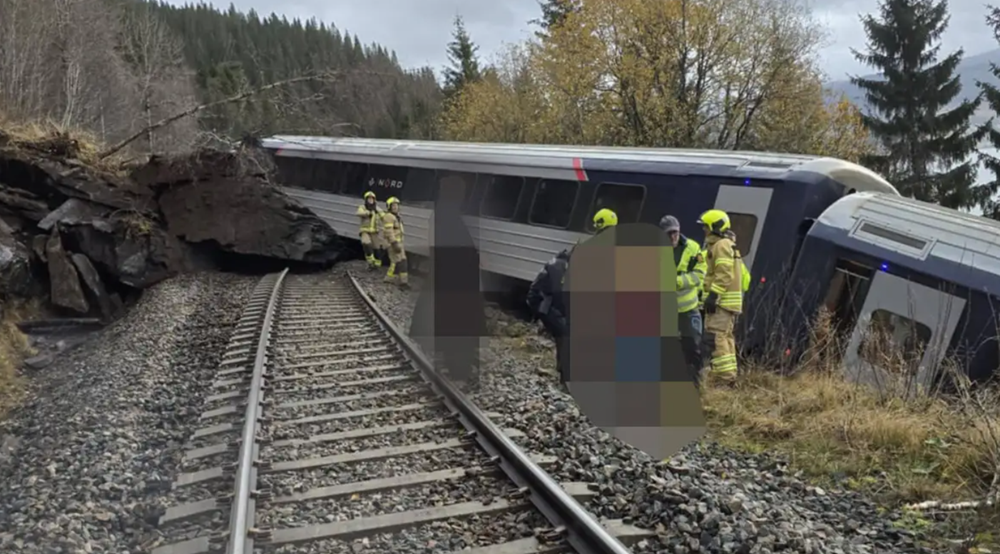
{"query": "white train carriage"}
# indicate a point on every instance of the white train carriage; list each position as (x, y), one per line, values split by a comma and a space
(524, 203)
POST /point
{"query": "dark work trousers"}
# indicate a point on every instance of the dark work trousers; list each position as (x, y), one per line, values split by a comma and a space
(559, 329)
(690, 326)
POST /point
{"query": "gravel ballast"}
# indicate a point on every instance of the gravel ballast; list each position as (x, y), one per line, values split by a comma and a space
(706, 499)
(90, 456)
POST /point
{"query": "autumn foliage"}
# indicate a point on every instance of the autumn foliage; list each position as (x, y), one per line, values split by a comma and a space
(720, 74)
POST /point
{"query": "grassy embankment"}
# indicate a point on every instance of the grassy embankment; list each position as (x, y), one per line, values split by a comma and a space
(901, 446)
(898, 446)
(14, 348)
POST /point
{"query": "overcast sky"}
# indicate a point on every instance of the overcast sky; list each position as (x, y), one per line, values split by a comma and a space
(418, 30)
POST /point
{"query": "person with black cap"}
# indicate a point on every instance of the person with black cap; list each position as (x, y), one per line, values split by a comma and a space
(547, 301)
(691, 269)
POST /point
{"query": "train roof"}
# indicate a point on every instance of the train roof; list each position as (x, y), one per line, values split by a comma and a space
(948, 244)
(585, 158)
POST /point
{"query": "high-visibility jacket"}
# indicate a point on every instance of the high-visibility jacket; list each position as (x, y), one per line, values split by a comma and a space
(691, 268)
(744, 281)
(724, 275)
(392, 227)
(370, 219)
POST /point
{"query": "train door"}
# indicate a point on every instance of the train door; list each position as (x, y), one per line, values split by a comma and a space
(918, 319)
(747, 208)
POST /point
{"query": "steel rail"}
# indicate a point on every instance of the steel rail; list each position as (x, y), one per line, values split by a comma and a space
(584, 533)
(246, 478)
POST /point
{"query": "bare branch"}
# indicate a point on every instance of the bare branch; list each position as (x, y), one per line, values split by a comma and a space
(202, 107)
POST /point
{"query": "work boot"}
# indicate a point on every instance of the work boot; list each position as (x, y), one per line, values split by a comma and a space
(404, 281)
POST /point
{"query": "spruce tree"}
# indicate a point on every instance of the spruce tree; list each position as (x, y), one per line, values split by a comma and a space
(925, 148)
(464, 61)
(991, 93)
(554, 12)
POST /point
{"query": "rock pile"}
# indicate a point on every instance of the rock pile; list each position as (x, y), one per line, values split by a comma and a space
(82, 235)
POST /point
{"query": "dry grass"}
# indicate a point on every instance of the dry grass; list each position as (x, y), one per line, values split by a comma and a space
(14, 348)
(50, 138)
(902, 445)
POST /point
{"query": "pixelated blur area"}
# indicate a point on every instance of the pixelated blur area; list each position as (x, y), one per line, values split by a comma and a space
(449, 318)
(627, 369)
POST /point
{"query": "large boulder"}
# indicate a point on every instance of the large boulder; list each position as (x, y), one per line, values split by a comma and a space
(64, 283)
(216, 199)
(99, 232)
(138, 254)
(15, 265)
(95, 288)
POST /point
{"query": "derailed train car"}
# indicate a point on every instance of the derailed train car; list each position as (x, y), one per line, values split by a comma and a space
(525, 203)
(928, 275)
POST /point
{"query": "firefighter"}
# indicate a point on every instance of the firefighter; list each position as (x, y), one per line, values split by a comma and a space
(723, 294)
(392, 226)
(745, 277)
(691, 269)
(547, 302)
(371, 218)
(604, 219)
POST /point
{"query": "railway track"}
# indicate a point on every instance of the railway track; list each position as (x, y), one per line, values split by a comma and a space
(327, 431)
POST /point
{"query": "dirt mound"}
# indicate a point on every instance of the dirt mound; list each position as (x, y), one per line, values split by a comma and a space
(84, 230)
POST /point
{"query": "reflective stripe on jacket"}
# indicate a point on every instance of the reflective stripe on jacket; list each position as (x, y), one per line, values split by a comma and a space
(392, 226)
(724, 276)
(690, 274)
(369, 219)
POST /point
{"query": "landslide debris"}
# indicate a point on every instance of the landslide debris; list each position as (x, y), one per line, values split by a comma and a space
(84, 232)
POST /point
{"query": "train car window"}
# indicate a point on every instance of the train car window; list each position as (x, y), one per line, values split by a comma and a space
(554, 202)
(386, 180)
(352, 179)
(467, 180)
(323, 176)
(905, 336)
(420, 187)
(846, 294)
(501, 197)
(624, 200)
(745, 226)
(289, 171)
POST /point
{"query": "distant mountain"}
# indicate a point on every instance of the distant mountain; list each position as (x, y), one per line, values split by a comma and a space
(970, 69)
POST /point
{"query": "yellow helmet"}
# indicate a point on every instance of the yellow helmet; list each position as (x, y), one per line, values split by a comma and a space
(605, 218)
(392, 200)
(368, 195)
(717, 221)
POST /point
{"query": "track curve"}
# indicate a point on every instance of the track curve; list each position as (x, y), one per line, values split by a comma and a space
(328, 431)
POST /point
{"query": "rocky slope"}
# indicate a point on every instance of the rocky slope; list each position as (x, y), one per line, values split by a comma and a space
(83, 235)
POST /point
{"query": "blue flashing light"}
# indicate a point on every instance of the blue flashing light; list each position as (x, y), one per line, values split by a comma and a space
(746, 182)
(884, 266)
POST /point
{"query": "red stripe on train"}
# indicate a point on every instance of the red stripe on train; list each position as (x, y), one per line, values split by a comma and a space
(581, 175)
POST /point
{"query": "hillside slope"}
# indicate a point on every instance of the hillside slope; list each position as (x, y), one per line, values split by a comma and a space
(369, 93)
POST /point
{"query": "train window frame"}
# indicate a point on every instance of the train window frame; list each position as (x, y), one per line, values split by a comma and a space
(597, 193)
(740, 236)
(363, 179)
(407, 190)
(919, 328)
(323, 167)
(470, 188)
(534, 200)
(486, 195)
